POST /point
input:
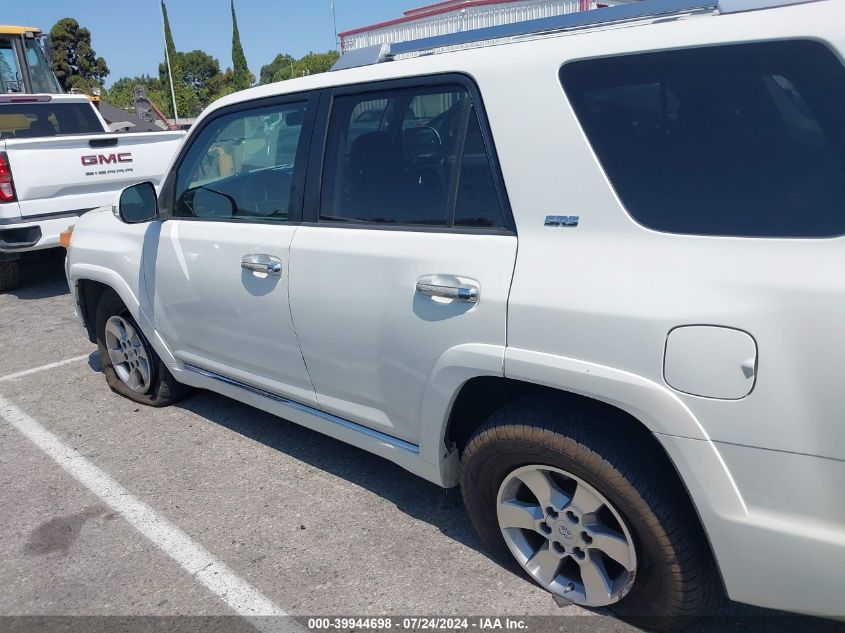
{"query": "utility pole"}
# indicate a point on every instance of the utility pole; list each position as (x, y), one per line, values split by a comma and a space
(172, 90)
(164, 27)
(334, 20)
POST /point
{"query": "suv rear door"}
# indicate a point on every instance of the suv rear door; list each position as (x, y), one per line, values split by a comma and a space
(407, 249)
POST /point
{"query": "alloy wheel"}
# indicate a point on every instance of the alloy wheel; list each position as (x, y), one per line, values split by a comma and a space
(128, 354)
(566, 535)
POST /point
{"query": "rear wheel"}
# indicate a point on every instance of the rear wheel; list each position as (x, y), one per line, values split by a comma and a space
(10, 274)
(567, 535)
(591, 512)
(131, 366)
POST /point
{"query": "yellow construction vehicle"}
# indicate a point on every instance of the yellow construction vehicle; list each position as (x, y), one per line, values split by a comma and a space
(24, 66)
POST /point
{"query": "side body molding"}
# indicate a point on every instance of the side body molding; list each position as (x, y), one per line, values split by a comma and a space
(653, 404)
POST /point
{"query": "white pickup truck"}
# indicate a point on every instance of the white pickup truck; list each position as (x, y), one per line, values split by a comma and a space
(58, 159)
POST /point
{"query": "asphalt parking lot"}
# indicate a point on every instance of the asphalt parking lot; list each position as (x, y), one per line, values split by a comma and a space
(275, 518)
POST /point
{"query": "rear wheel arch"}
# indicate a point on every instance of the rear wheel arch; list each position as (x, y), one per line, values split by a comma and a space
(610, 392)
(480, 398)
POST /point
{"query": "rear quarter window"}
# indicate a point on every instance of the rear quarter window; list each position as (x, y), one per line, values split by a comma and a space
(741, 140)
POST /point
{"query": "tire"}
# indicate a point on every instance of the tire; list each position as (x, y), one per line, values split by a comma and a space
(674, 579)
(10, 274)
(160, 387)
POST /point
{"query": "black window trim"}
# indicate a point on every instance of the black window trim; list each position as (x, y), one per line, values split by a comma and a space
(167, 196)
(454, 186)
(313, 186)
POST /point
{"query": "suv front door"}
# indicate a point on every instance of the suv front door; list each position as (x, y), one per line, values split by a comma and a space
(408, 252)
(219, 282)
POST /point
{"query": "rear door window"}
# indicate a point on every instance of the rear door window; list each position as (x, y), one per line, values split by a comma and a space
(393, 166)
(742, 140)
(409, 157)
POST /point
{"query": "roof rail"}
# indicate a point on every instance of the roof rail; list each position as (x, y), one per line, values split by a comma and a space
(569, 21)
(363, 57)
(736, 6)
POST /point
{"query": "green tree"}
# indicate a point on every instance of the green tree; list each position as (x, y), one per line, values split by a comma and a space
(280, 68)
(74, 60)
(226, 83)
(187, 102)
(242, 78)
(314, 63)
(199, 73)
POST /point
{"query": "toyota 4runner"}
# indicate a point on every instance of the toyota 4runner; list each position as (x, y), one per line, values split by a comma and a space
(590, 268)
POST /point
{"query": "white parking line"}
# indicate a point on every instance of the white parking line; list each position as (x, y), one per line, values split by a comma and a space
(35, 370)
(238, 594)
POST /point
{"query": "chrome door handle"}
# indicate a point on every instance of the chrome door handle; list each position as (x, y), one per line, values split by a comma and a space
(448, 287)
(266, 264)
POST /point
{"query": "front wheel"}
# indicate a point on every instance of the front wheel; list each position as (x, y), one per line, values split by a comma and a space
(131, 366)
(590, 512)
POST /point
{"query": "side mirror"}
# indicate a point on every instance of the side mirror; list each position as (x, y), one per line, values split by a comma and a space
(137, 204)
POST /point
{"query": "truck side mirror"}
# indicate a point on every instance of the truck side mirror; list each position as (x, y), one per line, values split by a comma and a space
(137, 204)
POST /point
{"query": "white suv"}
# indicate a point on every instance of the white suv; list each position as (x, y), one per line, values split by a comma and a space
(593, 272)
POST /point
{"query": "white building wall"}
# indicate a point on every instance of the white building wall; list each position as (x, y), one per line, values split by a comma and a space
(465, 19)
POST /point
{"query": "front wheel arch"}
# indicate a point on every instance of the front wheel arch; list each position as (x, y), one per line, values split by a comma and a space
(164, 389)
(89, 293)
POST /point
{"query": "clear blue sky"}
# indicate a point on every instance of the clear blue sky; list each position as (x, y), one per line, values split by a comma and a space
(128, 33)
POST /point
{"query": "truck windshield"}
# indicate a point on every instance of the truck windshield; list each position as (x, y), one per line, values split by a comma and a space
(10, 77)
(42, 77)
(33, 120)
